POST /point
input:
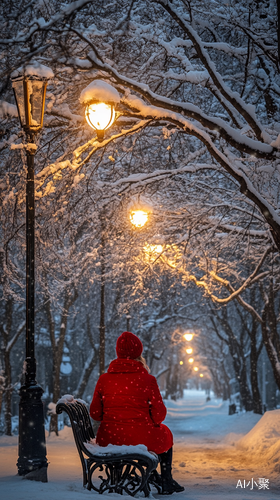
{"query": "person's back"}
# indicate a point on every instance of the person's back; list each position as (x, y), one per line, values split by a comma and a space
(128, 402)
(129, 405)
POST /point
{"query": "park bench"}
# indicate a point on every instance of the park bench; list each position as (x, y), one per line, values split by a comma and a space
(111, 469)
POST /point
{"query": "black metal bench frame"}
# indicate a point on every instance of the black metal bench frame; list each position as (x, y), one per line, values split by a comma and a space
(127, 473)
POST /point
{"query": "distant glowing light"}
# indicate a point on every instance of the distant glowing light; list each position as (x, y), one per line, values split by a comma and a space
(196, 369)
(191, 360)
(188, 336)
(201, 375)
(156, 248)
(181, 362)
(138, 218)
(153, 250)
(189, 350)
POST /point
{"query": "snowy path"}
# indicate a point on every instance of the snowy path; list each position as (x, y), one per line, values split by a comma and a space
(206, 460)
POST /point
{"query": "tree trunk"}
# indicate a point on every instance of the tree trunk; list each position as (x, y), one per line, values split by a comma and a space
(270, 332)
(257, 402)
(168, 389)
(8, 395)
(102, 324)
(245, 393)
(87, 371)
(89, 365)
(216, 382)
(270, 348)
(102, 302)
(7, 367)
(226, 385)
(57, 349)
(278, 30)
(2, 382)
(56, 392)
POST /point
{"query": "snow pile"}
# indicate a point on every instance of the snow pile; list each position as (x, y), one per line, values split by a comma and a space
(264, 440)
(34, 69)
(99, 91)
(51, 408)
(68, 398)
(113, 449)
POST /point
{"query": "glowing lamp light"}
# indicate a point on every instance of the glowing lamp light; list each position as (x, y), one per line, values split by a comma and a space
(201, 375)
(196, 369)
(188, 336)
(156, 248)
(191, 360)
(153, 250)
(189, 350)
(100, 99)
(181, 362)
(138, 218)
(100, 117)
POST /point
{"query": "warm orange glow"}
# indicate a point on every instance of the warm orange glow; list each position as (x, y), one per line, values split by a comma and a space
(100, 116)
(153, 250)
(181, 362)
(138, 218)
(201, 375)
(188, 336)
(195, 369)
(191, 360)
(189, 350)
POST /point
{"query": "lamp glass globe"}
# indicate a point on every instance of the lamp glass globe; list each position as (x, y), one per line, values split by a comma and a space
(100, 116)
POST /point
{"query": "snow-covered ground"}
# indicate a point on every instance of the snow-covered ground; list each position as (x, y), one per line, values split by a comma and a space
(213, 453)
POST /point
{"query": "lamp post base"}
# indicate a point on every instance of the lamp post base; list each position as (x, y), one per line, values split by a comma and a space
(32, 459)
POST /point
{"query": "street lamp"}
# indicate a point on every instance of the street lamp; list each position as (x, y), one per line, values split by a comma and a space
(100, 100)
(29, 86)
(138, 218)
(191, 360)
(196, 369)
(188, 336)
(189, 350)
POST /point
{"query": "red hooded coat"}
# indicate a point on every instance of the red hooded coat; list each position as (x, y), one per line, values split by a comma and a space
(128, 403)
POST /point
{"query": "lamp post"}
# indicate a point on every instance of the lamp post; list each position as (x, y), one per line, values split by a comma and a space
(100, 99)
(29, 86)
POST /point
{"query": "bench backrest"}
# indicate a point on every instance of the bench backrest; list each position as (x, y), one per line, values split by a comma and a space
(80, 421)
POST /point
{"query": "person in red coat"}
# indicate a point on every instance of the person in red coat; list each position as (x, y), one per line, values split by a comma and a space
(129, 405)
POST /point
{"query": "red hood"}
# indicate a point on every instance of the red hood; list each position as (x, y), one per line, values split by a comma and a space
(126, 366)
